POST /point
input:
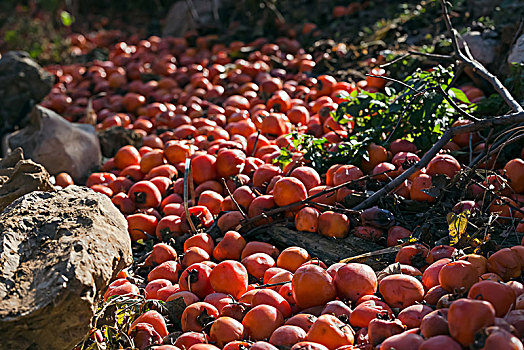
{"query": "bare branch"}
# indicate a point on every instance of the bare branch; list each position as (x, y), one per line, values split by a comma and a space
(476, 65)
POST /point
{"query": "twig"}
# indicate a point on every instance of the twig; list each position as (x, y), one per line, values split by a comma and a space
(400, 58)
(188, 186)
(431, 55)
(233, 199)
(394, 80)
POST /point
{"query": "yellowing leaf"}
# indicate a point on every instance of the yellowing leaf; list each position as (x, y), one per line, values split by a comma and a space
(457, 224)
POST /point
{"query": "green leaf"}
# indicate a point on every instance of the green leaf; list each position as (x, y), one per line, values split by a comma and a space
(459, 95)
(66, 18)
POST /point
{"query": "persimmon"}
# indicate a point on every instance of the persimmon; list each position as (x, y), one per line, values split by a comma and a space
(329, 331)
(211, 200)
(197, 315)
(193, 255)
(195, 279)
(413, 254)
(256, 264)
(270, 297)
(312, 286)
(261, 321)
(160, 253)
(396, 233)
(420, 184)
(154, 286)
(204, 168)
(229, 162)
(404, 340)
(200, 215)
(307, 175)
(506, 263)
(412, 316)
(401, 145)
(337, 308)
(346, 173)
(201, 240)
(141, 225)
(243, 195)
(289, 190)
(230, 247)
(167, 226)
(63, 180)
(263, 175)
(467, 316)
(443, 164)
(307, 219)
(367, 311)
(292, 258)
(333, 224)
(382, 327)
(501, 296)
(430, 277)
(168, 270)
(100, 179)
(515, 172)
(188, 339)
(478, 261)
(287, 336)
(230, 277)
(121, 287)
(226, 329)
(457, 275)
(401, 290)
(355, 280)
(435, 323)
(302, 320)
(155, 319)
(376, 155)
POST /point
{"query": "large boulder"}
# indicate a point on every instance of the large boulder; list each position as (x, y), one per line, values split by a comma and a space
(58, 252)
(19, 176)
(23, 84)
(57, 144)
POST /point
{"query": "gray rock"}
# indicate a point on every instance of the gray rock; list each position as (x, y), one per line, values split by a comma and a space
(58, 252)
(517, 51)
(19, 177)
(57, 144)
(116, 137)
(23, 84)
(183, 17)
(483, 49)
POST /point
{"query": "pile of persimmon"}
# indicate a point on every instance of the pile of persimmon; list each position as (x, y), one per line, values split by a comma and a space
(231, 117)
(251, 295)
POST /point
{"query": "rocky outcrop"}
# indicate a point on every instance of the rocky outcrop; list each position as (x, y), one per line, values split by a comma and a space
(60, 146)
(23, 84)
(19, 176)
(58, 252)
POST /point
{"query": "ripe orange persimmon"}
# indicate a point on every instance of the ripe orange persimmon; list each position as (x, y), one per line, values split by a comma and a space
(312, 286)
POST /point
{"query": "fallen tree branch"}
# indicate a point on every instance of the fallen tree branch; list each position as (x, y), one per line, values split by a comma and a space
(513, 118)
